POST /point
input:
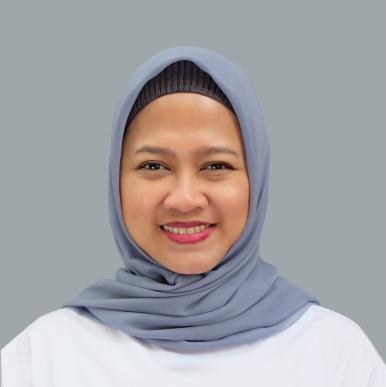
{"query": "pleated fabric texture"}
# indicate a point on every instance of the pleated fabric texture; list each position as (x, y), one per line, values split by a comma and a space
(241, 300)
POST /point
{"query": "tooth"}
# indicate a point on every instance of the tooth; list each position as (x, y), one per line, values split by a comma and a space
(188, 230)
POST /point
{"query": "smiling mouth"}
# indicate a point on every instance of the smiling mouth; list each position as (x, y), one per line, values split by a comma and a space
(186, 230)
(186, 236)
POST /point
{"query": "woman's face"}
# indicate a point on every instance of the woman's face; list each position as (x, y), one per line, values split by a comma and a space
(179, 182)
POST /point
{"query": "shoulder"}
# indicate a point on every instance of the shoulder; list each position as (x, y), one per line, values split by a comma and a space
(17, 356)
(57, 318)
(54, 325)
(59, 337)
(60, 320)
(320, 317)
(343, 339)
(333, 326)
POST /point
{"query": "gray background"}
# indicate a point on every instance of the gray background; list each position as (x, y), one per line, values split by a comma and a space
(318, 69)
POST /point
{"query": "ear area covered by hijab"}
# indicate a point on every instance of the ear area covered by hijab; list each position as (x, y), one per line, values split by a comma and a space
(242, 299)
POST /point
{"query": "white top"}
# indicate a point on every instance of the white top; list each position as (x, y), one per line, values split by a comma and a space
(64, 348)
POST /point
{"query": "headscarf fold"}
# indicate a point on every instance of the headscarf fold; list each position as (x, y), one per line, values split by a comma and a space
(239, 301)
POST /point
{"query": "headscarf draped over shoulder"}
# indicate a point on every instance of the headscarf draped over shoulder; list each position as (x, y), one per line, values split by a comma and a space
(243, 298)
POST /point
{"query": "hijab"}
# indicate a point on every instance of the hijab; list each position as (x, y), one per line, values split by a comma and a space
(241, 300)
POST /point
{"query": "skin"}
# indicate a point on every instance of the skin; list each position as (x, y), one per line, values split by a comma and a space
(186, 186)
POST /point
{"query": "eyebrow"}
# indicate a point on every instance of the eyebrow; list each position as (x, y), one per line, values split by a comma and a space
(201, 152)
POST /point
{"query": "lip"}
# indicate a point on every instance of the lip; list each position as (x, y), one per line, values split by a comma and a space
(186, 224)
(189, 238)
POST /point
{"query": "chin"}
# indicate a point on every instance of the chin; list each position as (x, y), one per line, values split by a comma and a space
(192, 270)
(198, 264)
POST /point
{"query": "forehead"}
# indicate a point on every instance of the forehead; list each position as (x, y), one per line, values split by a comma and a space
(187, 118)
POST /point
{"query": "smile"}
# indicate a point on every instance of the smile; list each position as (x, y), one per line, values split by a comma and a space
(188, 234)
(186, 230)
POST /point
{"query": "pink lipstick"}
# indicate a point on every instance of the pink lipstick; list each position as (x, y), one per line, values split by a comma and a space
(189, 238)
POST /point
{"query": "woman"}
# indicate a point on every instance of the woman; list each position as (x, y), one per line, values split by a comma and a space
(195, 304)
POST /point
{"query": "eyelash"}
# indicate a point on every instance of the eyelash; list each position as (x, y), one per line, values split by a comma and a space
(228, 166)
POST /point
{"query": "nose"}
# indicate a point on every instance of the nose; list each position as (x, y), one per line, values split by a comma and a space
(185, 195)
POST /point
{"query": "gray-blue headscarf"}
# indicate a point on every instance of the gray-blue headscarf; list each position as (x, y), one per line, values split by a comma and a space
(239, 301)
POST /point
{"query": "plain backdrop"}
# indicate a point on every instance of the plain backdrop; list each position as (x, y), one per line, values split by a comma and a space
(318, 68)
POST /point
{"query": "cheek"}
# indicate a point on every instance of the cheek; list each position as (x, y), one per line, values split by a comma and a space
(235, 208)
(234, 199)
(136, 204)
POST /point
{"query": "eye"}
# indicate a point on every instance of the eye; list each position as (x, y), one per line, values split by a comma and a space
(153, 166)
(219, 163)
